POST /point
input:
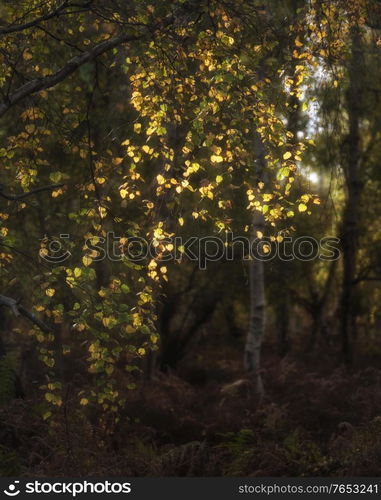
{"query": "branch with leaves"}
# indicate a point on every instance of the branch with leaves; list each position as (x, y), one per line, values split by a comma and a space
(72, 65)
(59, 11)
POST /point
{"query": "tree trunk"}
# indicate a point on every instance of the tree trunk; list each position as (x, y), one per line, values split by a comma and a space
(350, 227)
(257, 314)
(285, 270)
(257, 292)
(176, 139)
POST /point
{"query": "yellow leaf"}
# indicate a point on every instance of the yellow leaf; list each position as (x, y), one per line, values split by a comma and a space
(137, 127)
(56, 193)
(141, 351)
(87, 260)
(27, 55)
(84, 402)
(287, 155)
(181, 221)
(50, 292)
(302, 207)
(216, 159)
(160, 179)
(30, 128)
(77, 272)
(106, 321)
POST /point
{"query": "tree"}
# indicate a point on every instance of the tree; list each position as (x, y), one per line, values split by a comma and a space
(192, 124)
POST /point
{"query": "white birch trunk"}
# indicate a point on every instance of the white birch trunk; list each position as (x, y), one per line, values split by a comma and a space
(257, 314)
(255, 334)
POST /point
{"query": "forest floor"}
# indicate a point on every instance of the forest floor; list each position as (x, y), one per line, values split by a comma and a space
(314, 420)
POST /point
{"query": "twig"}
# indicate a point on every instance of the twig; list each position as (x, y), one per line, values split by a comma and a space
(14, 197)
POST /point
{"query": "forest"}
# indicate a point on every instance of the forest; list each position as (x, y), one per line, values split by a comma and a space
(190, 242)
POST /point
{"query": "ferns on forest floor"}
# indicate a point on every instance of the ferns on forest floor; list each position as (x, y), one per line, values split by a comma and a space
(241, 447)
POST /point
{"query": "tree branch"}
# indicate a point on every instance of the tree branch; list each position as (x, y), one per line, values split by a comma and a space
(61, 9)
(72, 65)
(19, 309)
(14, 197)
